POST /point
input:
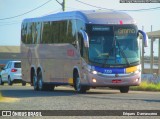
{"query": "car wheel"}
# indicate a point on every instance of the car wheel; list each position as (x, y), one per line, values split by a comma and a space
(124, 89)
(35, 83)
(79, 88)
(23, 83)
(1, 82)
(9, 81)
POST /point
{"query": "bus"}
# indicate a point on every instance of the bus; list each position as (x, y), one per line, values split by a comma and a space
(83, 49)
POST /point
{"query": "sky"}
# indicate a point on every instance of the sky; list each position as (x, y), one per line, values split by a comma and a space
(10, 28)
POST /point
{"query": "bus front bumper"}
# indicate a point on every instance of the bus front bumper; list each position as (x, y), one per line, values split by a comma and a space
(114, 80)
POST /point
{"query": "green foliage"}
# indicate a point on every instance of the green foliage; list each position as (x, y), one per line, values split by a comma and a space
(145, 86)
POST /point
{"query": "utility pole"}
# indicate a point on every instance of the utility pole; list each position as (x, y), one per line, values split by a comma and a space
(62, 4)
(142, 28)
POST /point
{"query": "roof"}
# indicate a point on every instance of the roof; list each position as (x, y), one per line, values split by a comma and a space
(9, 53)
(9, 49)
(90, 16)
(154, 34)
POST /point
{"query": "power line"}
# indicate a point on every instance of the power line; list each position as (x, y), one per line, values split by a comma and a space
(117, 10)
(20, 21)
(51, 12)
(8, 24)
(71, 8)
(26, 12)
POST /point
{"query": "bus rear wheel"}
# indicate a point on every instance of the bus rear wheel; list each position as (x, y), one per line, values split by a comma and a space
(35, 84)
(124, 89)
(78, 87)
(43, 86)
(40, 82)
(49, 87)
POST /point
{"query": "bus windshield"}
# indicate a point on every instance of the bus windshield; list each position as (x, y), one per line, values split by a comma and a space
(113, 45)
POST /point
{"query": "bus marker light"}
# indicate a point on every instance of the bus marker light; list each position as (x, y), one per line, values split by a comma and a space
(70, 52)
(94, 80)
(120, 22)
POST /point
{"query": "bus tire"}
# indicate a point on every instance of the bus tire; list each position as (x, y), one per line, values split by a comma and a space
(40, 82)
(79, 88)
(35, 82)
(49, 87)
(124, 89)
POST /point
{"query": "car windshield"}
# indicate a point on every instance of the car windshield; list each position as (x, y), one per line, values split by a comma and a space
(113, 45)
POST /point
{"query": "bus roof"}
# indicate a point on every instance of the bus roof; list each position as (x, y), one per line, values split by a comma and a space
(90, 16)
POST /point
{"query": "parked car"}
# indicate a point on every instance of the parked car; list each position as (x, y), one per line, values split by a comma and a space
(11, 73)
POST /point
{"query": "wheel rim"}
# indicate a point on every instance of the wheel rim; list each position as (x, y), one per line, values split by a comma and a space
(40, 84)
(78, 86)
(35, 82)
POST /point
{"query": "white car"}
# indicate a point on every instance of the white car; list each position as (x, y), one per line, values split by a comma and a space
(11, 73)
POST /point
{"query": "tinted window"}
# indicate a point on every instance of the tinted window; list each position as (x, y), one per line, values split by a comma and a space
(24, 33)
(38, 31)
(59, 32)
(50, 32)
(46, 33)
(29, 33)
(17, 65)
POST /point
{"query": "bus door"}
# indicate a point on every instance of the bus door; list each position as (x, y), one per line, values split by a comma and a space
(83, 47)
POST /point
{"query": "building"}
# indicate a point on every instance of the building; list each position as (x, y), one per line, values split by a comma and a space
(9, 53)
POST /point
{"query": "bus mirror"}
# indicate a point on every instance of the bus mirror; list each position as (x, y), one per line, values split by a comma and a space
(85, 38)
(145, 38)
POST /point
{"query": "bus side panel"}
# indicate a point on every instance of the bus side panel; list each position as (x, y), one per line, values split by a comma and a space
(25, 63)
(57, 61)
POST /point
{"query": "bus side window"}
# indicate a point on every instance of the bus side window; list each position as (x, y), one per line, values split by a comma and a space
(29, 33)
(81, 44)
(24, 32)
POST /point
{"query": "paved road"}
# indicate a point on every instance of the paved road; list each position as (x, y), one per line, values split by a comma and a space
(65, 98)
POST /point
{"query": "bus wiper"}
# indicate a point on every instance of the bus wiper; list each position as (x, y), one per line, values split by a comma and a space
(135, 62)
(123, 54)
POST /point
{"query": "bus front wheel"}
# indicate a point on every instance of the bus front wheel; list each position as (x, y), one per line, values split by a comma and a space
(78, 87)
(124, 89)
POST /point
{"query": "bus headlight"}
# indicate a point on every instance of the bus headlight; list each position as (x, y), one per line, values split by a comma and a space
(94, 72)
(137, 80)
(91, 69)
(94, 80)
